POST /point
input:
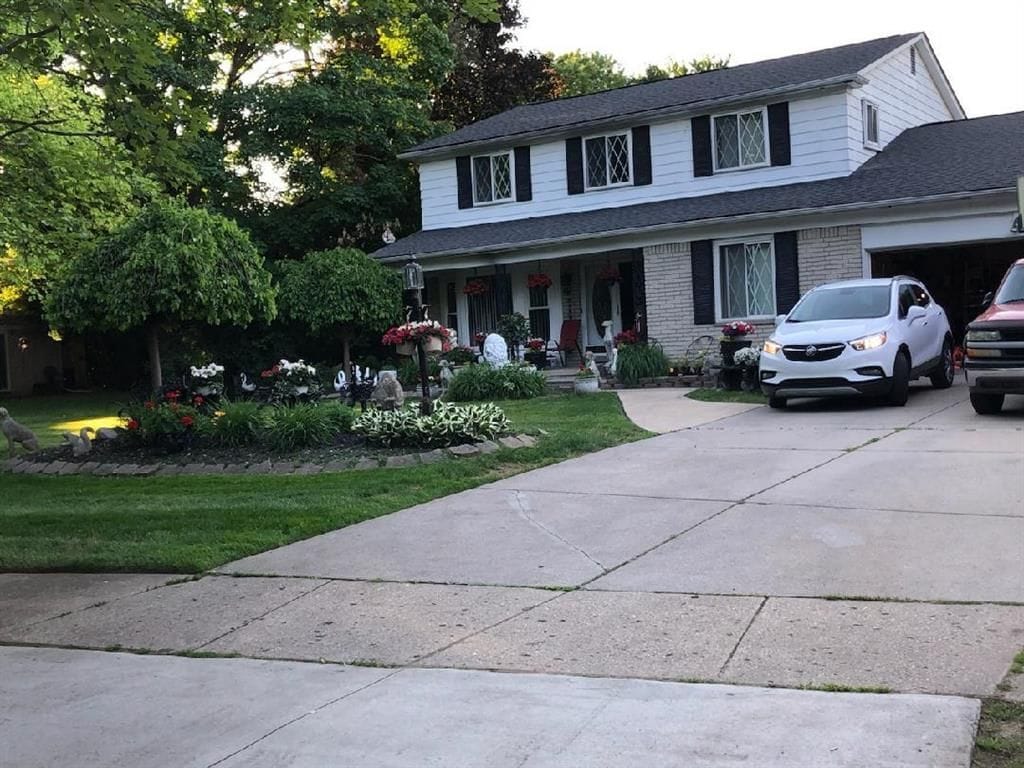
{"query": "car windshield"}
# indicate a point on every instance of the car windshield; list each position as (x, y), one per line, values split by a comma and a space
(1012, 288)
(854, 302)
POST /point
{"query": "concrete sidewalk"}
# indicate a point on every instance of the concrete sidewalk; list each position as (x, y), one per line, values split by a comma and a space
(669, 409)
(95, 710)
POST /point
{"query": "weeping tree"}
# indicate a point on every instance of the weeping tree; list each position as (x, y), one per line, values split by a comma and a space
(341, 291)
(172, 264)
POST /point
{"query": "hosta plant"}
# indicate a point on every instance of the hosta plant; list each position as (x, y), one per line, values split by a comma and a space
(449, 424)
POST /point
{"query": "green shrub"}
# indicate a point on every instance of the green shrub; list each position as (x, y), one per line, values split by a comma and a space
(300, 426)
(448, 425)
(339, 415)
(409, 370)
(167, 425)
(482, 382)
(641, 361)
(460, 355)
(240, 423)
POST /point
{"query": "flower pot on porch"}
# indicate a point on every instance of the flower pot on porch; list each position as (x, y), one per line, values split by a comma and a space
(729, 348)
(586, 386)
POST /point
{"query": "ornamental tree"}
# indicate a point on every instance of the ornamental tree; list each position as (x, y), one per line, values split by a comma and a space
(170, 264)
(342, 291)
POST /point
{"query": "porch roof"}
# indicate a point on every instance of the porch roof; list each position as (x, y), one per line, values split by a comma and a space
(930, 162)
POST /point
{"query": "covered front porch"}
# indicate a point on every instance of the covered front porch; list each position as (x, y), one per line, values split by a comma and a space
(557, 295)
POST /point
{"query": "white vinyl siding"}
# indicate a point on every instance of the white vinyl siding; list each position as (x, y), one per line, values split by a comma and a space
(818, 141)
(740, 140)
(744, 279)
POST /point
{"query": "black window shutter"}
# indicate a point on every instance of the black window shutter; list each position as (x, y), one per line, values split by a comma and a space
(642, 155)
(503, 294)
(778, 133)
(465, 174)
(700, 128)
(787, 272)
(524, 184)
(702, 270)
(574, 165)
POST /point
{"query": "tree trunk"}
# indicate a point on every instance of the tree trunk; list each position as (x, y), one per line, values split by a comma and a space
(346, 355)
(156, 378)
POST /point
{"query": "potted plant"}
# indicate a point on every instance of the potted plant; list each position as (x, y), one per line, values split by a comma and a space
(291, 380)
(536, 352)
(480, 337)
(208, 380)
(733, 338)
(748, 359)
(629, 336)
(586, 382)
(435, 337)
(515, 329)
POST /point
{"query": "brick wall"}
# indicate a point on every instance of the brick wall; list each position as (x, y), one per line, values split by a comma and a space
(828, 253)
(824, 254)
(570, 281)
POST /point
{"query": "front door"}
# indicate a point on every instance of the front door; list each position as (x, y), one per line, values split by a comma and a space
(603, 303)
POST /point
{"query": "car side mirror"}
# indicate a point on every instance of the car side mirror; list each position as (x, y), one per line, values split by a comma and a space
(915, 312)
(987, 300)
(780, 319)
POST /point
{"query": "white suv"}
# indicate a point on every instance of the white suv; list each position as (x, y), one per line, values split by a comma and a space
(869, 337)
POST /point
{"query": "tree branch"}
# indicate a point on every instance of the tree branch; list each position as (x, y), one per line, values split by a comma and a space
(12, 43)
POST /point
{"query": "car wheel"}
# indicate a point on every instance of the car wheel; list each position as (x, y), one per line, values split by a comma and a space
(900, 381)
(942, 376)
(776, 402)
(986, 404)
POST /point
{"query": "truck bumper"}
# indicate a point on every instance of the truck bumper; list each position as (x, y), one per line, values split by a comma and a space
(997, 379)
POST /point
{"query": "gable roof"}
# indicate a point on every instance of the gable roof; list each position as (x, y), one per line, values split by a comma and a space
(832, 66)
(931, 161)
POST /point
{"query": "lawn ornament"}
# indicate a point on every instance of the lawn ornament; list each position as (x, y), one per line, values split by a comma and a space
(17, 433)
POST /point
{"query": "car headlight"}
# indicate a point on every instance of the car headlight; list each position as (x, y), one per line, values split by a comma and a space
(874, 341)
(771, 347)
(983, 336)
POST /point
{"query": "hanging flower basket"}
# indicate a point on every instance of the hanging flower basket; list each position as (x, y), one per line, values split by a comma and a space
(435, 337)
(609, 275)
(476, 288)
(539, 280)
(406, 348)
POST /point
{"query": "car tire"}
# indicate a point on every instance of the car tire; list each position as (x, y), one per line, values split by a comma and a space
(944, 373)
(900, 381)
(776, 402)
(986, 404)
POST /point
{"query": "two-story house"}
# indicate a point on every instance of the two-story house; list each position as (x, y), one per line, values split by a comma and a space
(677, 205)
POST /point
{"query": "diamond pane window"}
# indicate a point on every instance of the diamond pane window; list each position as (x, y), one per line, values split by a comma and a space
(747, 280)
(607, 160)
(492, 178)
(740, 140)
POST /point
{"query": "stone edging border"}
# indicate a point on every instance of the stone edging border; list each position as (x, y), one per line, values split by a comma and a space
(21, 466)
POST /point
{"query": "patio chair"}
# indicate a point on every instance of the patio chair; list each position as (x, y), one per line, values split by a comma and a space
(568, 339)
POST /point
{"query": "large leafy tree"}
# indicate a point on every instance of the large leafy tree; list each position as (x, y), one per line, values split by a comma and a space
(341, 291)
(62, 186)
(490, 75)
(586, 72)
(674, 68)
(170, 265)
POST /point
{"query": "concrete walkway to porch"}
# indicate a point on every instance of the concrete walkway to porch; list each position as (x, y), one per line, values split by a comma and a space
(669, 409)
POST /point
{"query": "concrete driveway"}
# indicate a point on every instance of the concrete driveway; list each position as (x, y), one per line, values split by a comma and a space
(834, 545)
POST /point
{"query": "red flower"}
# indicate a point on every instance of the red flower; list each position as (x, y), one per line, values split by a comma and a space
(627, 337)
(197, 400)
(609, 274)
(539, 280)
(480, 337)
(132, 425)
(475, 288)
(536, 344)
(187, 421)
(173, 395)
(150, 405)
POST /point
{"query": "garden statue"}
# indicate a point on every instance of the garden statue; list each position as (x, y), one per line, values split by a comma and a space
(613, 362)
(360, 387)
(446, 375)
(245, 385)
(339, 381)
(81, 444)
(609, 340)
(388, 394)
(495, 350)
(590, 364)
(17, 433)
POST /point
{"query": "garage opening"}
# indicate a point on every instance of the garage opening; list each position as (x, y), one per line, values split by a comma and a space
(958, 276)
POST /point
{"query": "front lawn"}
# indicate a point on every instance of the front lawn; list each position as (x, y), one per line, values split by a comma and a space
(51, 416)
(190, 524)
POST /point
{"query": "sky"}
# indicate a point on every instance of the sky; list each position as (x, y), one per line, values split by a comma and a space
(978, 43)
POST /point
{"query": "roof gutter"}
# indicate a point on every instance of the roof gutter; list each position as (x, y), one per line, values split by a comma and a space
(697, 223)
(676, 110)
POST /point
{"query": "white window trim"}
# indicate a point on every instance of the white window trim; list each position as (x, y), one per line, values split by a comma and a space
(6, 386)
(714, 141)
(864, 104)
(511, 175)
(751, 240)
(608, 171)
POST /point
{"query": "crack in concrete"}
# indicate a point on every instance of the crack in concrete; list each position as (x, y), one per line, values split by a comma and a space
(743, 634)
(524, 513)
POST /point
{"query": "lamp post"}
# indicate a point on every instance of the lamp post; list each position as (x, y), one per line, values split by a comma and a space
(412, 279)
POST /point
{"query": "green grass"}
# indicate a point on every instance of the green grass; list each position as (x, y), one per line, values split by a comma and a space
(51, 416)
(710, 395)
(1000, 740)
(190, 524)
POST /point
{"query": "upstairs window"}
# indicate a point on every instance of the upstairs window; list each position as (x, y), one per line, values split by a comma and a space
(607, 160)
(870, 125)
(741, 140)
(492, 178)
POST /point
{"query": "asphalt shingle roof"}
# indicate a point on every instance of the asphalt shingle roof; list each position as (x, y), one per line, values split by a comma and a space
(961, 156)
(790, 71)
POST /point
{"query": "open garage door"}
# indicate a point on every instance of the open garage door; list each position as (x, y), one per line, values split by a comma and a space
(958, 276)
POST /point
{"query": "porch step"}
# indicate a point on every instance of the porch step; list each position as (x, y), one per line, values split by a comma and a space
(561, 379)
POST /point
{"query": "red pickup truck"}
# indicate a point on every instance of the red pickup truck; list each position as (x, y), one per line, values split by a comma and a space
(995, 345)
